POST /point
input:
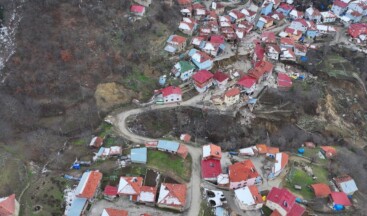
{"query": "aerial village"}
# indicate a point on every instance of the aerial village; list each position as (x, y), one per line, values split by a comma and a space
(269, 37)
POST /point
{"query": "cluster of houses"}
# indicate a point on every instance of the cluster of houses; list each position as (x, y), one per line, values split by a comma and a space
(172, 196)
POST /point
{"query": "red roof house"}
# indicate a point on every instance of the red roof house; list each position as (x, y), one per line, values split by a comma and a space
(328, 151)
(340, 198)
(147, 195)
(232, 96)
(172, 196)
(203, 79)
(184, 3)
(262, 71)
(88, 184)
(284, 82)
(96, 142)
(284, 202)
(137, 10)
(130, 186)
(357, 29)
(114, 212)
(182, 151)
(221, 79)
(243, 174)
(218, 39)
(259, 53)
(185, 137)
(212, 151)
(247, 83)
(321, 190)
(171, 94)
(110, 192)
(210, 169)
(287, 42)
(268, 37)
(9, 206)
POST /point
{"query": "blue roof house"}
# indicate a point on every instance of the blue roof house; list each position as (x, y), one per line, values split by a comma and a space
(267, 8)
(168, 146)
(138, 155)
(311, 33)
(77, 207)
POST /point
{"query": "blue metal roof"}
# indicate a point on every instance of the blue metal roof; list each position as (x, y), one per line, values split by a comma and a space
(76, 207)
(138, 155)
(100, 151)
(168, 145)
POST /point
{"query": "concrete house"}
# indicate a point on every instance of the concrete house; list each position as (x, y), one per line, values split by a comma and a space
(202, 80)
(286, 43)
(300, 25)
(183, 69)
(249, 15)
(248, 198)
(272, 51)
(287, 54)
(236, 16)
(266, 8)
(339, 7)
(285, 8)
(187, 26)
(265, 22)
(327, 17)
(232, 96)
(175, 43)
(130, 186)
(243, 174)
(220, 79)
(212, 151)
(281, 161)
(360, 6)
(170, 94)
(313, 14)
(295, 14)
(346, 184)
(354, 16)
(262, 71)
(172, 196)
(300, 50)
(247, 84)
(201, 59)
(283, 202)
(9, 206)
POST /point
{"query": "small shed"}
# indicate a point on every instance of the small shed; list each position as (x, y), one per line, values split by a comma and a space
(139, 155)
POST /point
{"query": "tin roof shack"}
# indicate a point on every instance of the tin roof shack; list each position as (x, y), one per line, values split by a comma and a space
(138, 155)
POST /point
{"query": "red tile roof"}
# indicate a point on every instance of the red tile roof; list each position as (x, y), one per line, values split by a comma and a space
(259, 51)
(220, 76)
(7, 206)
(171, 90)
(232, 92)
(116, 212)
(285, 157)
(262, 148)
(329, 151)
(202, 76)
(203, 56)
(260, 69)
(284, 80)
(285, 6)
(287, 41)
(178, 191)
(110, 191)
(215, 151)
(340, 3)
(148, 189)
(340, 198)
(184, 2)
(272, 150)
(343, 178)
(182, 151)
(255, 193)
(286, 200)
(246, 81)
(178, 39)
(268, 37)
(135, 182)
(242, 171)
(321, 190)
(210, 168)
(219, 39)
(91, 185)
(357, 29)
(98, 142)
(137, 9)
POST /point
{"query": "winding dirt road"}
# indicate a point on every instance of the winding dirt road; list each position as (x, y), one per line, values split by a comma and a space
(194, 198)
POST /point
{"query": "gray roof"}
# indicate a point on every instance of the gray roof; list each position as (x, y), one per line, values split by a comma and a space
(76, 207)
(349, 186)
(138, 155)
(168, 145)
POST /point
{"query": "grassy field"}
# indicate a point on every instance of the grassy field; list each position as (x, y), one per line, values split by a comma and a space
(301, 178)
(170, 164)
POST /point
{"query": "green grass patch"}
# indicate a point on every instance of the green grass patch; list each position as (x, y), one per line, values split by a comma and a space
(105, 129)
(170, 164)
(267, 211)
(205, 210)
(299, 177)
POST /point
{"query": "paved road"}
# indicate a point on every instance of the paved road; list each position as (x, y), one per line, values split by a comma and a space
(194, 198)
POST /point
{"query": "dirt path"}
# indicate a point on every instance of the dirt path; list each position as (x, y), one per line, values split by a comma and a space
(194, 198)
